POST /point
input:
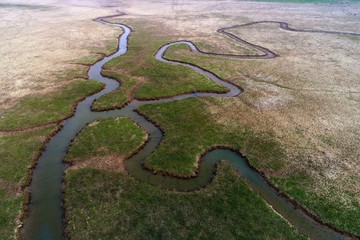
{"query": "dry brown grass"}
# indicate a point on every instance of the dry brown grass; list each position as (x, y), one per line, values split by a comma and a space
(114, 163)
(39, 46)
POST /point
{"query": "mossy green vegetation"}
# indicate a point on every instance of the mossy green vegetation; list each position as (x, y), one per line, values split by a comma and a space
(119, 136)
(328, 207)
(162, 79)
(17, 152)
(115, 205)
(120, 96)
(188, 131)
(48, 108)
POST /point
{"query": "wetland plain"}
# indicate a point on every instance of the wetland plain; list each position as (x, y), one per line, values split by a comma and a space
(93, 146)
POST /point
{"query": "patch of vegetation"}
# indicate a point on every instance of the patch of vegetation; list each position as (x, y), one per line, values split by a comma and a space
(340, 211)
(9, 210)
(223, 67)
(16, 155)
(119, 96)
(232, 69)
(327, 207)
(163, 79)
(89, 59)
(233, 47)
(107, 137)
(114, 205)
(188, 131)
(47, 108)
(328, 140)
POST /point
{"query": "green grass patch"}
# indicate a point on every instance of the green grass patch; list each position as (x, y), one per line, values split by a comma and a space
(115, 206)
(189, 130)
(16, 152)
(328, 140)
(107, 137)
(163, 79)
(223, 67)
(328, 207)
(9, 211)
(119, 96)
(47, 108)
(16, 155)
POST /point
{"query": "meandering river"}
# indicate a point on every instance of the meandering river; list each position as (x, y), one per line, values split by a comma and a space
(46, 214)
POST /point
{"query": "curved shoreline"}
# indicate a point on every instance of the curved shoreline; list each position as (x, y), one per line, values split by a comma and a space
(83, 115)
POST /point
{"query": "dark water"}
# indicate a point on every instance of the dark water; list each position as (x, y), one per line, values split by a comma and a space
(45, 219)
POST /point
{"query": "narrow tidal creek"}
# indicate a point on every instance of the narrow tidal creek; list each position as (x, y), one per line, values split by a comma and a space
(46, 214)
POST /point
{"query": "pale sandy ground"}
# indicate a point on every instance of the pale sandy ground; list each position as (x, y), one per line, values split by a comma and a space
(322, 71)
(40, 42)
